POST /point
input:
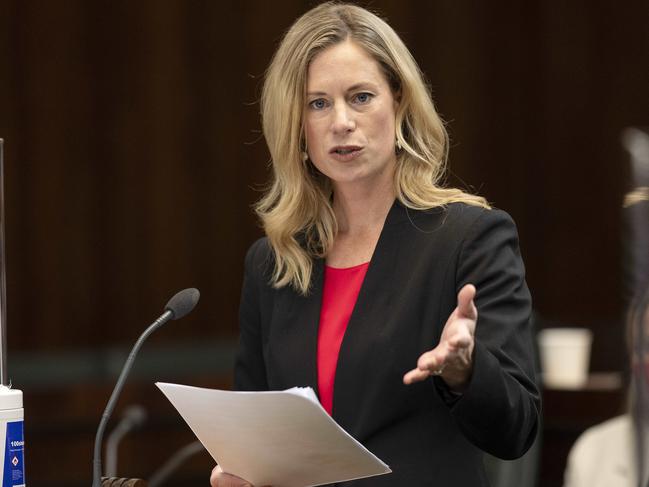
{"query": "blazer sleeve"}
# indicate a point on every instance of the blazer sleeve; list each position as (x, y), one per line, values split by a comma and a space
(499, 410)
(249, 369)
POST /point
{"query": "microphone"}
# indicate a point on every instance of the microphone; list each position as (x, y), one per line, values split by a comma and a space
(134, 416)
(177, 307)
(174, 462)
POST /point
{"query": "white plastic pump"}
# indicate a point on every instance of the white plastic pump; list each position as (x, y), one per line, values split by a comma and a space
(12, 441)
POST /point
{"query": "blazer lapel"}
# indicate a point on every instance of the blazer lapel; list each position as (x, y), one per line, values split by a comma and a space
(373, 296)
(295, 334)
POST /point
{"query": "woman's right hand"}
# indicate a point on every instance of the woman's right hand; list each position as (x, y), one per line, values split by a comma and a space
(221, 479)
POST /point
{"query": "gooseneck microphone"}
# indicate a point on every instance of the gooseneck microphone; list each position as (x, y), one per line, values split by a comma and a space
(133, 418)
(177, 307)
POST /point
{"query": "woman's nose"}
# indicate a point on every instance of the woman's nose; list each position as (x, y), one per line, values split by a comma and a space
(343, 120)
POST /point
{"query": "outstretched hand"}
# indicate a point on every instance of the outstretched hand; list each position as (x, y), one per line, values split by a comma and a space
(452, 358)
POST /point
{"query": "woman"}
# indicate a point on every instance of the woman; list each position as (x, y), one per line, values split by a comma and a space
(402, 303)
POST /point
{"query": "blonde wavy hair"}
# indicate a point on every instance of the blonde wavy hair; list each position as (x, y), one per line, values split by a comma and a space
(296, 212)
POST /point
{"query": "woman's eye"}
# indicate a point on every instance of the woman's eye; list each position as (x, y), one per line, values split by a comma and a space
(363, 97)
(318, 104)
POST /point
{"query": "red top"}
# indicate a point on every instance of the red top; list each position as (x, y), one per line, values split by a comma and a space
(341, 288)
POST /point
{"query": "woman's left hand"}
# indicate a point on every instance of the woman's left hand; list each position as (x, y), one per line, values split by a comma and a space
(452, 358)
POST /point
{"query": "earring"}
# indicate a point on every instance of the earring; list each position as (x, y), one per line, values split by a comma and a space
(305, 156)
(398, 145)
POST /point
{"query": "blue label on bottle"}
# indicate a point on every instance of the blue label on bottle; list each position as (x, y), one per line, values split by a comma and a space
(14, 468)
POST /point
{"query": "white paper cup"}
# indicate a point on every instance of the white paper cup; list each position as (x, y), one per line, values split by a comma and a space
(565, 356)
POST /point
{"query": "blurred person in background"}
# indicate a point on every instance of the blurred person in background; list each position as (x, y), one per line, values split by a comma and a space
(615, 453)
(609, 454)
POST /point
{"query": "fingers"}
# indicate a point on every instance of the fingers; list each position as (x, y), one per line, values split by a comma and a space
(453, 353)
(216, 471)
(432, 360)
(419, 374)
(220, 479)
(465, 304)
(415, 375)
(456, 344)
(429, 363)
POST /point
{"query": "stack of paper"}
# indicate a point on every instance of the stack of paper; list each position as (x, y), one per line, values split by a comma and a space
(277, 438)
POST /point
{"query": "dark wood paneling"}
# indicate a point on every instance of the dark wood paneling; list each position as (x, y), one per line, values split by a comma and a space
(133, 154)
(134, 151)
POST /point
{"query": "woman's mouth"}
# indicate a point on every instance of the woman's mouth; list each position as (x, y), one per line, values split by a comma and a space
(345, 152)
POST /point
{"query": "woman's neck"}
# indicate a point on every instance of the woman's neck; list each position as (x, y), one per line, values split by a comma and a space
(359, 211)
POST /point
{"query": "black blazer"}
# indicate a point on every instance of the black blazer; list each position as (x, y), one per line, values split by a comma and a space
(421, 261)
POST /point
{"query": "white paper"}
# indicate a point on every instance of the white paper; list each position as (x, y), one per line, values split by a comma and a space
(277, 438)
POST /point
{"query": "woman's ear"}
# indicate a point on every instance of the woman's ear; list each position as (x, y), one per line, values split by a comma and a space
(397, 99)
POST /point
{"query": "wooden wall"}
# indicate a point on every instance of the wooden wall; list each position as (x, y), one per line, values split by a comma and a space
(133, 153)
